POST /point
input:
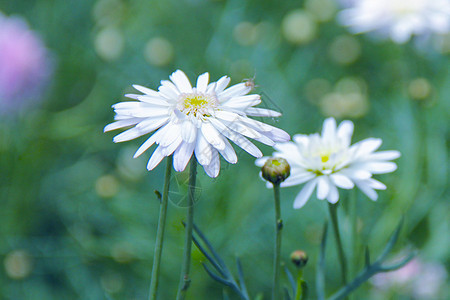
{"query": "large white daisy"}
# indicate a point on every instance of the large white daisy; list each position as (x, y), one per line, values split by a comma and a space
(328, 161)
(398, 19)
(196, 120)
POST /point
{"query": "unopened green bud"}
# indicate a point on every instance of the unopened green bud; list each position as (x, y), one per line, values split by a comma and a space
(276, 170)
(299, 258)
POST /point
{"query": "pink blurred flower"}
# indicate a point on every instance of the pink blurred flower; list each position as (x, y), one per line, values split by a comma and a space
(25, 66)
(419, 279)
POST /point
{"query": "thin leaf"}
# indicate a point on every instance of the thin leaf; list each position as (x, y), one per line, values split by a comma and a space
(211, 249)
(391, 241)
(291, 279)
(216, 277)
(208, 257)
(241, 278)
(399, 264)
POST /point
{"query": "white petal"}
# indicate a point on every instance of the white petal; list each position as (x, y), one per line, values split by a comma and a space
(342, 181)
(323, 187)
(243, 129)
(228, 153)
(222, 83)
(202, 82)
(375, 184)
(145, 90)
(166, 151)
(182, 156)
(169, 90)
(304, 194)
(147, 144)
(262, 112)
(238, 139)
(366, 189)
(231, 121)
(357, 174)
(214, 167)
(121, 124)
(265, 140)
(227, 115)
(154, 138)
(153, 100)
(211, 88)
(297, 179)
(128, 135)
(345, 132)
(188, 131)
(259, 162)
(333, 195)
(329, 129)
(236, 90)
(384, 155)
(245, 144)
(203, 150)
(171, 135)
(144, 112)
(151, 124)
(368, 146)
(212, 136)
(380, 167)
(181, 81)
(243, 102)
(156, 158)
(301, 139)
(130, 105)
(278, 135)
(133, 96)
(257, 125)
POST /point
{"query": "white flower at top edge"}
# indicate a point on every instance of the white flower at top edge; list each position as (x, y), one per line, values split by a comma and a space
(398, 19)
(328, 162)
(197, 120)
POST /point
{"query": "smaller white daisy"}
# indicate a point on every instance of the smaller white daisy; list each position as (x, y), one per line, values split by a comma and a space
(195, 120)
(398, 19)
(328, 161)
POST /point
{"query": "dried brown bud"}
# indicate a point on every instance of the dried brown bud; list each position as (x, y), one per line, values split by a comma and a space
(276, 170)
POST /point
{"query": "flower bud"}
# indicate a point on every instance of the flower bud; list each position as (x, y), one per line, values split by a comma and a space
(299, 258)
(276, 170)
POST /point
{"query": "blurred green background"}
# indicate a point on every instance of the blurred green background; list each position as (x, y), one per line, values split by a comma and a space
(79, 214)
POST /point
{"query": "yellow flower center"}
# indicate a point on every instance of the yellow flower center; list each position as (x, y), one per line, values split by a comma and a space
(196, 104)
(325, 158)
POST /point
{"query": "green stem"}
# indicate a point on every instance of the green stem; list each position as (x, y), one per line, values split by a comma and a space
(299, 291)
(337, 235)
(353, 237)
(160, 232)
(185, 280)
(278, 229)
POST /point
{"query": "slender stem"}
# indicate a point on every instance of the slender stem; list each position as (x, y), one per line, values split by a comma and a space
(278, 229)
(185, 280)
(299, 290)
(160, 232)
(337, 235)
(354, 236)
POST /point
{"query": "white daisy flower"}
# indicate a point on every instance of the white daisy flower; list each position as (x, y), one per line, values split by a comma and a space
(398, 19)
(196, 120)
(328, 161)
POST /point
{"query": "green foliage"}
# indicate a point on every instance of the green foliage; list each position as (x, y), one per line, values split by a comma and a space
(78, 213)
